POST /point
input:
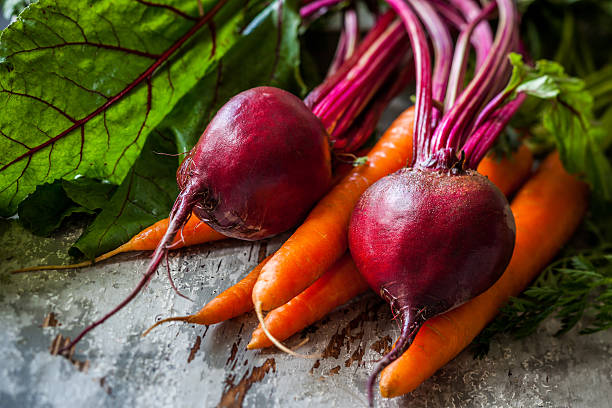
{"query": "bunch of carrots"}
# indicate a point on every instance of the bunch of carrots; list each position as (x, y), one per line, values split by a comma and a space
(313, 273)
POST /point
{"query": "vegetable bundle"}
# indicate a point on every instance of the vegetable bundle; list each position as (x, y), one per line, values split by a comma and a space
(432, 239)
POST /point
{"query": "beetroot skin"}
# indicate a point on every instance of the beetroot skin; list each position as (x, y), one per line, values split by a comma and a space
(261, 164)
(428, 241)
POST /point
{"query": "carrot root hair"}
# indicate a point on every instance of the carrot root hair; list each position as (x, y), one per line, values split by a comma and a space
(275, 341)
(185, 319)
(179, 214)
(71, 266)
(407, 335)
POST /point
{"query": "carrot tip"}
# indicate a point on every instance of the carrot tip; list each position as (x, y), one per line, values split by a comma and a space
(274, 341)
(169, 319)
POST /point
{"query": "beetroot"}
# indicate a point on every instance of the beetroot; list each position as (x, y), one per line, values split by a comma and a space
(428, 241)
(445, 237)
(431, 237)
(260, 165)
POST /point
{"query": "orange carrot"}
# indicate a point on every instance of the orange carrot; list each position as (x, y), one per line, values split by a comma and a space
(321, 240)
(231, 303)
(337, 286)
(547, 210)
(342, 282)
(193, 233)
(508, 173)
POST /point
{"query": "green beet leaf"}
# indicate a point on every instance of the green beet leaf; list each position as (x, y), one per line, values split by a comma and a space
(267, 53)
(88, 193)
(145, 196)
(82, 84)
(45, 209)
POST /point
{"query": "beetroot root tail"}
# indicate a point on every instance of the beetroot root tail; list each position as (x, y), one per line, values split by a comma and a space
(178, 216)
(407, 335)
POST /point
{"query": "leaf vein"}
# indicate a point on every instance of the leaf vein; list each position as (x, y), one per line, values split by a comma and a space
(146, 74)
(72, 81)
(168, 7)
(87, 43)
(36, 98)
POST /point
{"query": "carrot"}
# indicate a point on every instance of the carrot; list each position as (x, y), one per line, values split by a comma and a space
(342, 282)
(231, 303)
(337, 286)
(321, 240)
(508, 173)
(193, 233)
(547, 210)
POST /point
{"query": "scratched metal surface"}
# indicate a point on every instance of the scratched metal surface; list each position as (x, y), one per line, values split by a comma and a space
(189, 366)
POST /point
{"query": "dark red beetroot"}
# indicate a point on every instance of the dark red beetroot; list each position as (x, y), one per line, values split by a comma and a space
(260, 165)
(431, 237)
(257, 169)
(428, 241)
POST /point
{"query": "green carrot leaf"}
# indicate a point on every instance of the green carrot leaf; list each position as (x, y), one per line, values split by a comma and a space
(568, 118)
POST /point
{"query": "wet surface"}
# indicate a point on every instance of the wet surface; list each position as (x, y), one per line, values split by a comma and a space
(192, 366)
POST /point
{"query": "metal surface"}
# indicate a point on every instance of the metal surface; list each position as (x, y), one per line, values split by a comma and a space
(189, 366)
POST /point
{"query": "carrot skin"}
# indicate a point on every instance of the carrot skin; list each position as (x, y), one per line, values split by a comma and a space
(321, 240)
(508, 173)
(193, 233)
(338, 285)
(342, 282)
(547, 211)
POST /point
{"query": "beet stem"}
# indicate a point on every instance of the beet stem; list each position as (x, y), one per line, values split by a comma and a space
(482, 39)
(443, 51)
(407, 335)
(422, 62)
(349, 37)
(178, 216)
(460, 58)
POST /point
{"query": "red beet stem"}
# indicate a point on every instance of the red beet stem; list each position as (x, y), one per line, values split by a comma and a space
(315, 7)
(348, 41)
(484, 137)
(344, 95)
(422, 60)
(178, 216)
(363, 127)
(460, 58)
(443, 52)
(482, 38)
(451, 132)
